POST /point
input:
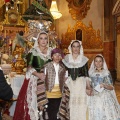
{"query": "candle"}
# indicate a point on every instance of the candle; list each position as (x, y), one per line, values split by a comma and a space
(45, 71)
(66, 73)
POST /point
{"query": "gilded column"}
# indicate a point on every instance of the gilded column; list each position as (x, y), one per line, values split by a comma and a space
(2, 12)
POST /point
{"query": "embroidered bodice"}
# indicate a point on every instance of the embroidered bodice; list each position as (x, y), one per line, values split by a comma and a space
(76, 68)
(101, 77)
(37, 59)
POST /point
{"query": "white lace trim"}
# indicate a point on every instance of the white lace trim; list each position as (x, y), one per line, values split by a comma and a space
(36, 52)
(29, 72)
(32, 98)
(103, 73)
(93, 67)
(104, 106)
(81, 47)
(79, 62)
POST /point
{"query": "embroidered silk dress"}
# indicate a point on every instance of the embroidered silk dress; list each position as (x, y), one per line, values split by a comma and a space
(103, 105)
(26, 108)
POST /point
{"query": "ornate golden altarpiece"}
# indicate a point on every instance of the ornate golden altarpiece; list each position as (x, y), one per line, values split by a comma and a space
(11, 31)
(12, 25)
(91, 39)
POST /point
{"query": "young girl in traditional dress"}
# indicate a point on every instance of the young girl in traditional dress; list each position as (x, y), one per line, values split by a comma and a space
(103, 105)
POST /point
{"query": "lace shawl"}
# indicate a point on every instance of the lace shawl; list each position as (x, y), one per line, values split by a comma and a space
(79, 62)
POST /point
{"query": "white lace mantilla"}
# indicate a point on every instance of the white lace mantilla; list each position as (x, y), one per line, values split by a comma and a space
(36, 52)
(71, 63)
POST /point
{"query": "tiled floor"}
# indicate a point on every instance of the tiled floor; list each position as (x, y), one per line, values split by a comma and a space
(117, 90)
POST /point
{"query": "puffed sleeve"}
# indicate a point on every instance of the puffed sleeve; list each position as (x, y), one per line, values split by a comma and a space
(6, 92)
(108, 79)
(29, 59)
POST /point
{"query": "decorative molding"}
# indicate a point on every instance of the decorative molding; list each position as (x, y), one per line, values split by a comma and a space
(12, 17)
(91, 38)
(78, 8)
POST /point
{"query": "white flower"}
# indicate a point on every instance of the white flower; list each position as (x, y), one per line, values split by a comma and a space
(5, 56)
(16, 56)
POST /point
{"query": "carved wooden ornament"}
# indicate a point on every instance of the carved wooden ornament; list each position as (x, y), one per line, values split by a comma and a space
(78, 8)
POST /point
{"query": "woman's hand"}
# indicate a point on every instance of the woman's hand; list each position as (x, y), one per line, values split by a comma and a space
(66, 78)
(39, 75)
(89, 92)
(41, 108)
(102, 85)
(109, 87)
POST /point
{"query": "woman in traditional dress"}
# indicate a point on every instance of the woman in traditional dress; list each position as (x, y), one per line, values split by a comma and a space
(103, 105)
(74, 99)
(26, 107)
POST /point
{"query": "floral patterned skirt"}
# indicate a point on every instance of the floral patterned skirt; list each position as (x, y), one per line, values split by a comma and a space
(104, 106)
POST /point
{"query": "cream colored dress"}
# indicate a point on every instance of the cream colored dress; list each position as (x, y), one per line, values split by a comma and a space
(77, 88)
(78, 98)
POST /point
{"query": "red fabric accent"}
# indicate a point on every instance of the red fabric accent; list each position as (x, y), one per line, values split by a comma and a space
(7, 1)
(4, 105)
(6, 111)
(21, 110)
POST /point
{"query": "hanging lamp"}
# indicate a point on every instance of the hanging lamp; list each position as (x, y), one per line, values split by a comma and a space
(54, 10)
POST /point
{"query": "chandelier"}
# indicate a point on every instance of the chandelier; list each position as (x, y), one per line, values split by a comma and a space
(54, 10)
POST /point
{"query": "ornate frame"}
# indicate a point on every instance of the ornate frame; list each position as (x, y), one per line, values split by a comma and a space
(78, 8)
(91, 38)
(13, 13)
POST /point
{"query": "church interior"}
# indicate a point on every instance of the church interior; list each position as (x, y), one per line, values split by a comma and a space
(94, 22)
